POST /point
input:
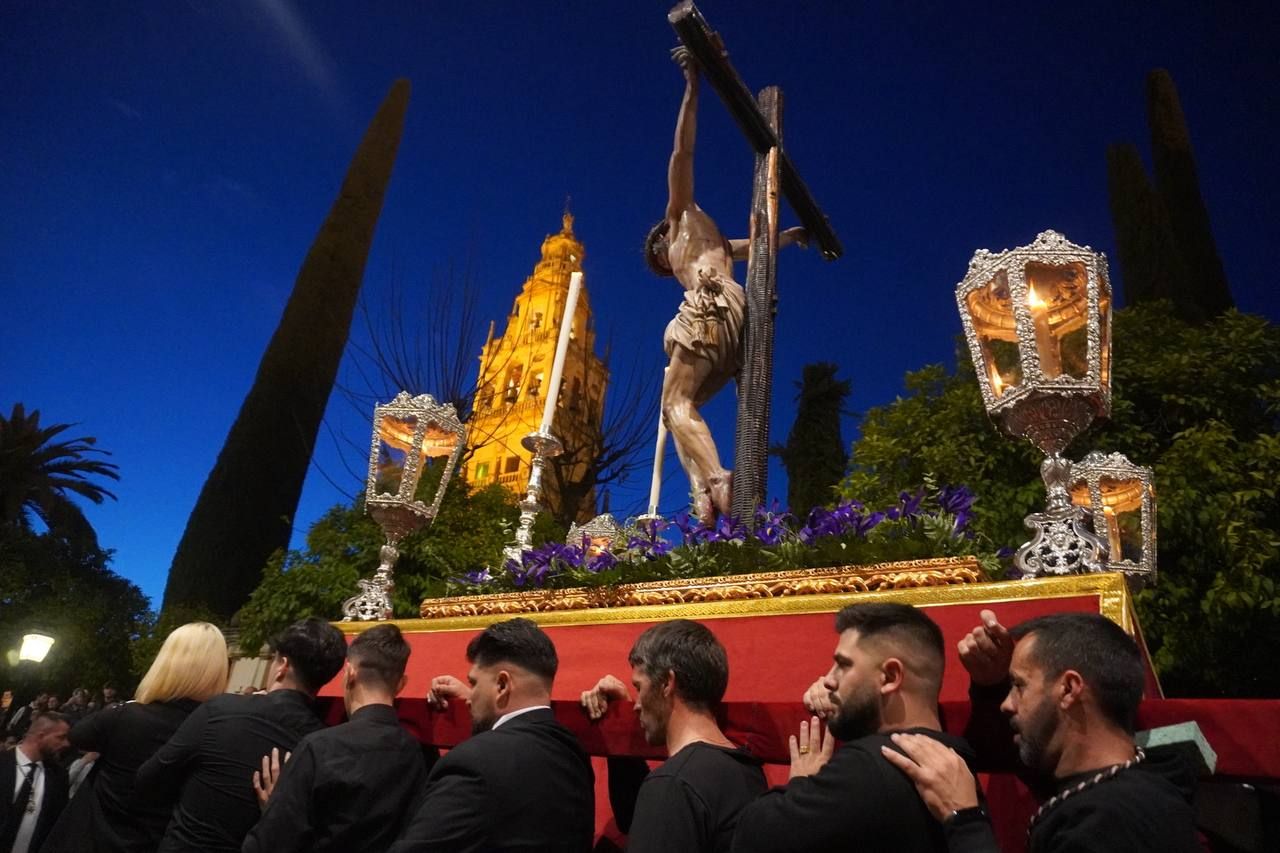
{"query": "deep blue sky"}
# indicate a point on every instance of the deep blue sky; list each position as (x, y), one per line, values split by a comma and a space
(166, 165)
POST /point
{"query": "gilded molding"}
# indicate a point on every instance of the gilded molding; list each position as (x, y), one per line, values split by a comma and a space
(900, 575)
(1110, 588)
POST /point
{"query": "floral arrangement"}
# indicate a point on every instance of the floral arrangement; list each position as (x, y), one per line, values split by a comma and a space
(929, 522)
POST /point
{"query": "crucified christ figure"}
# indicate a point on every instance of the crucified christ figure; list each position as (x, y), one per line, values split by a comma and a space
(704, 340)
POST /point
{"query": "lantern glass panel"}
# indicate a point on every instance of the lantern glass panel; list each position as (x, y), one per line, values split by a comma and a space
(1058, 301)
(991, 312)
(1122, 505)
(395, 436)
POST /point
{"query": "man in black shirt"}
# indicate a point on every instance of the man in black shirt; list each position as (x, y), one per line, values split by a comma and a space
(208, 764)
(522, 781)
(1071, 684)
(690, 803)
(347, 787)
(885, 679)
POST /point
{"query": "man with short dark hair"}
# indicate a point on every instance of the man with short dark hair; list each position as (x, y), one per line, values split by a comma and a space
(1071, 684)
(208, 764)
(522, 781)
(886, 676)
(690, 803)
(347, 787)
(33, 785)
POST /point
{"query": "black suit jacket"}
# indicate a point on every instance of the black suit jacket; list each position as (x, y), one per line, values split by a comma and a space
(526, 785)
(56, 787)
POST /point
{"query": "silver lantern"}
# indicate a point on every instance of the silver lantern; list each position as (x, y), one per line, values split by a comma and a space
(415, 449)
(1121, 498)
(1038, 323)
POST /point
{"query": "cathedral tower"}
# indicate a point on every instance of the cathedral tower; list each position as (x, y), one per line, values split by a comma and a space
(514, 371)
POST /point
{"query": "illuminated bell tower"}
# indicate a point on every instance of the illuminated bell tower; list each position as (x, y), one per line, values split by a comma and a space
(515, 369)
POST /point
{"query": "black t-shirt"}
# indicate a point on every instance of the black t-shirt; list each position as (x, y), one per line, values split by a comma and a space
(692, 801)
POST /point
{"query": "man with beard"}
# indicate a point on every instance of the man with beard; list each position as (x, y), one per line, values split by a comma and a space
(690, 803)
(522, 781)
(885, 679)
(1071, 684)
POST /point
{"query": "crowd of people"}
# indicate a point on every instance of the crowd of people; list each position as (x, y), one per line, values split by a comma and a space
(185, 766)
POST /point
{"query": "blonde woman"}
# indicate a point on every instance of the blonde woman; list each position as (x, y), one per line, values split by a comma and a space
(106, 815)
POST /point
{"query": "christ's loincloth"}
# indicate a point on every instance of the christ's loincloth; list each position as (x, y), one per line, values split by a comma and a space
(709, 324)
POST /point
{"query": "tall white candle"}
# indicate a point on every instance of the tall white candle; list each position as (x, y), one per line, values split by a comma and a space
(655, 485)
(562, 350)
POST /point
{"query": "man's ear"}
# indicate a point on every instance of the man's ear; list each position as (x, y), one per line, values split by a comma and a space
(891, 675)
(503, 682)
(669, 684)
(281, 668)
(1070, 689)
(404, 679)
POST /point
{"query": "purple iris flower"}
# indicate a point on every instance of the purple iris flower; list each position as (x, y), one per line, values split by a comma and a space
(690, 530)
(602, 562)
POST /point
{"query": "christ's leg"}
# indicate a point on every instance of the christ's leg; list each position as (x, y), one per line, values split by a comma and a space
(686, 376)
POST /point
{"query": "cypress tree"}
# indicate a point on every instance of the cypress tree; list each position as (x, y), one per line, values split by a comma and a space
(1179, 188)
(245, 510)
(815, 453)
(1151, 266)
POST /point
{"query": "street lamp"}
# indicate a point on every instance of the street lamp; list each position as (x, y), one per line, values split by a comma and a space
(416, 446)
(1038, 322)
(35, 647)
(1121, 498)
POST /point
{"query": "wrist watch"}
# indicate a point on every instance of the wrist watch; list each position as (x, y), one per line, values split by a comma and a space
(961, 817)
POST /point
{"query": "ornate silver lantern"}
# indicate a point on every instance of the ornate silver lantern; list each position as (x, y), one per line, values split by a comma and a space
(1038, 322)
(415, 449)
(1121, 498)
(597, 535)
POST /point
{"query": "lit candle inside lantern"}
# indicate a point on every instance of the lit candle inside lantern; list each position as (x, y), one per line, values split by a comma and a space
(562, 349)
(997, 382)
(1050, 358)
(655, 485)
(1113, 533)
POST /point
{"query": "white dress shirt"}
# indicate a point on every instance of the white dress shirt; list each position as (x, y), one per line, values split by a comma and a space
(27, 827)
(506, 717)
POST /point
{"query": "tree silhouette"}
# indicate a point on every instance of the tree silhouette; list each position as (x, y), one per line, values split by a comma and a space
(815, 454)
(246, 507)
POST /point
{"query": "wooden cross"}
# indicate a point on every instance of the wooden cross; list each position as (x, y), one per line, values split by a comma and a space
(761, 122)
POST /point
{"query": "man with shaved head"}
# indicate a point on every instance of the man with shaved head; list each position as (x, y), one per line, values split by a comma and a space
(885, 678)
(33, 783)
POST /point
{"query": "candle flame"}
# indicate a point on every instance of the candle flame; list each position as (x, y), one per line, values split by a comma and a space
(1034, 300)
(997, 383)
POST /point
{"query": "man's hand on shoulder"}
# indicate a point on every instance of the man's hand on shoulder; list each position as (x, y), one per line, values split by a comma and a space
(810, 751)
(938, 772)
(444, 688)
(986, 651)
(596, 700)
(264, 781)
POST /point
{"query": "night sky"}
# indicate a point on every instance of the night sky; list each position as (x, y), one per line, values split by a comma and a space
(167, 164)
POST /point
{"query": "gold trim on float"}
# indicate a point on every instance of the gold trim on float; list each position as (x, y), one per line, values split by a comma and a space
(1111, 589)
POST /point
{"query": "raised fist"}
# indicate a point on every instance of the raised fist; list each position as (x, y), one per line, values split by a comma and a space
(986, 651)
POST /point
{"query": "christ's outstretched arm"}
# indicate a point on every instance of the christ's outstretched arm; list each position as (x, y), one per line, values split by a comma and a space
(680, 171)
